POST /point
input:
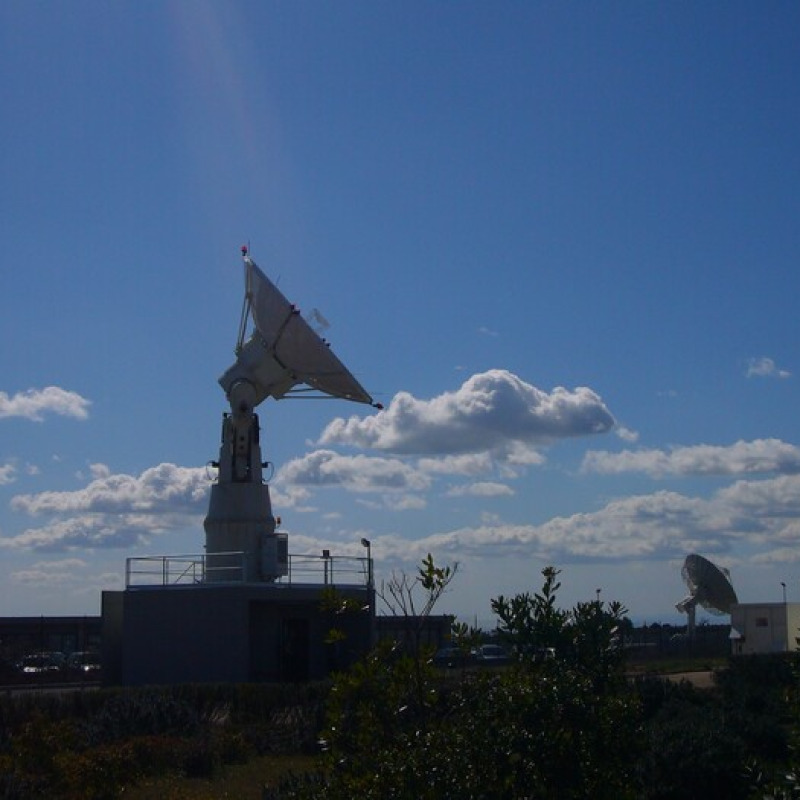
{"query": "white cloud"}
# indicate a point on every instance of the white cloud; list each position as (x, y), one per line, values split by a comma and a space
(90, 532)
(765, 368)
(758, 502)
(161, 489)
(7, 474)
(63, 571)
(388, 502)
(284, 496)
(34, 403)
(740, 458)
(626, 434)
(467, 464)
(70, 575)
(114, 511)
(354, 473)
(481, 489)
(519, 454)
(489, 412)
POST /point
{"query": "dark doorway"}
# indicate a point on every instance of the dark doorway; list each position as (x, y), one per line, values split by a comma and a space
(294, 650)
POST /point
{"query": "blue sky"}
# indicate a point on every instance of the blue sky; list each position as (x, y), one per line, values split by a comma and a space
(558, 241)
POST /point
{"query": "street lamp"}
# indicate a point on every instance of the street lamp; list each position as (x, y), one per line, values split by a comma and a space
(370, 591)
(368, 544)
(784, 592)
(598, 594)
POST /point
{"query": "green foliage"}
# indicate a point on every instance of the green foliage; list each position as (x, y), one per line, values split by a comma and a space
(724, 743)
(551, 728)
(464, 637)
(690, 751)
(532, 623)
(588, 637)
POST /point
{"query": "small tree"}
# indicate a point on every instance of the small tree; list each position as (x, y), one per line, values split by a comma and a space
(588, 637)
(414, 598)
(531, 624)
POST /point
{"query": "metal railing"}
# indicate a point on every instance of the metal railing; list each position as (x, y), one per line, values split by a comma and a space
(230, 567)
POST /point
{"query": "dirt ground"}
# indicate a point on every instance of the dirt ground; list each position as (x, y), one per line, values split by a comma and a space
(700, 680)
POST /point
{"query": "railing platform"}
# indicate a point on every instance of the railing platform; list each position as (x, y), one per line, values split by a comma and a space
(195, 570)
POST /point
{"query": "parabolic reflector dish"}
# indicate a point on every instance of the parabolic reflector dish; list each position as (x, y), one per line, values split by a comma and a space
(284, 351)
(709, 585)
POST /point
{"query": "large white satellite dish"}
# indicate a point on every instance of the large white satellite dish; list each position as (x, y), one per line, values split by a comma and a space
(282, 357)
(709, 586)
(284, 352)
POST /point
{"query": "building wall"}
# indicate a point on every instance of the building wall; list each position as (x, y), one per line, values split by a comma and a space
(764, 627)
(231, 633)
(793, 626)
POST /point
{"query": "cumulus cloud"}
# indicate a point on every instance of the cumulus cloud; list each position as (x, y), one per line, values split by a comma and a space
(66, 575)
(93, 531)
(113, 511)
(161, 489)
(740, 458)
(391, 502)
(356, 473)
(757, 501)
(489, 412)
(467, 464)
(35, 403)
(481, 489)
(626, 434)
(62, 571)
(7, 474)
(765, 368)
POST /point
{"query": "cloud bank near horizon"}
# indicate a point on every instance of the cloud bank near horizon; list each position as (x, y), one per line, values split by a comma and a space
(484, 434)
(123, 511)
(760, 456)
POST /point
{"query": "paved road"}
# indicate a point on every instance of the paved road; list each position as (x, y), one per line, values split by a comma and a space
(48, 688)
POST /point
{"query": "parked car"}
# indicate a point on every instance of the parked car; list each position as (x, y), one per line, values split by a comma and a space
(492, 655)
(84, 661)
(451, 657)
(39, 663)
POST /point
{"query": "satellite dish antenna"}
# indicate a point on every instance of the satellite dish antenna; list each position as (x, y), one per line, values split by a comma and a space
(284, 351)
(709, 586)
(283, 357)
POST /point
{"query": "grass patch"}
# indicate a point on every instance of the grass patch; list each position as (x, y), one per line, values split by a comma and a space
(236, 782)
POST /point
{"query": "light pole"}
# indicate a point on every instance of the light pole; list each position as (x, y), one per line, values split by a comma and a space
(368, 544)
(370, 591)
(598, 594)
(784, 592)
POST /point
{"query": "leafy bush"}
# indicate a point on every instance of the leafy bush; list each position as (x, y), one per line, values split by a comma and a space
(90, 745)
(565, 727)
(691, 752)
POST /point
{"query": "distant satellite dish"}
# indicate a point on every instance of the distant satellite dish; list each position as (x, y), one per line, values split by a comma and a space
(284, 351)
(709, 586)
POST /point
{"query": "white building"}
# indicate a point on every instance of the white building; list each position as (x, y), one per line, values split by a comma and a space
(764, 628)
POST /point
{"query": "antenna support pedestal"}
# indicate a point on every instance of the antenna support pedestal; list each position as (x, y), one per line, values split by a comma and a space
(241, 543)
